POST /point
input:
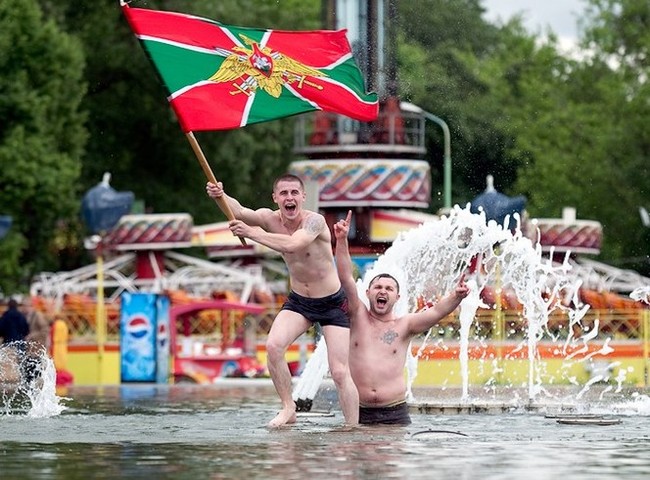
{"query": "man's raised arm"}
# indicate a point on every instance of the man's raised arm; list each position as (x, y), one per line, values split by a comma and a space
(344, 261)
(422, 321)
(245, 214)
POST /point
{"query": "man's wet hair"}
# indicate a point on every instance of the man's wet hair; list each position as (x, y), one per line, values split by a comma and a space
(384, 275)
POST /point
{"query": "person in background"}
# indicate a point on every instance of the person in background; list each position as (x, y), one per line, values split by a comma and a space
(39, 328)
(59, 336)
(37, 339)
(13, 324)
(305, 243)
(13, 330)
(379, 340)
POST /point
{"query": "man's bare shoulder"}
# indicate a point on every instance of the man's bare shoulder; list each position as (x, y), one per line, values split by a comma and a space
(269, 219)
(314, 224)
(360, 312)
(268, 213)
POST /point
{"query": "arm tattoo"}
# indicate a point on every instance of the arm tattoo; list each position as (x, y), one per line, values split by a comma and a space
(314, 224)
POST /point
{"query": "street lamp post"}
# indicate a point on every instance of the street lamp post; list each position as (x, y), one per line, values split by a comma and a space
(410, 107)
(102, 208)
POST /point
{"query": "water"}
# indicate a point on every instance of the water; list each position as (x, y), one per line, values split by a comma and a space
(218, 432)
(641, 294)
(430, 259)
(307, 387)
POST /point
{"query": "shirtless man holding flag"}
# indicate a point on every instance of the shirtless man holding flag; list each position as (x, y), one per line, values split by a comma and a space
(305, 243)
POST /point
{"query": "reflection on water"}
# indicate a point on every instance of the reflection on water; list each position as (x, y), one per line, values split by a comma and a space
(218, 432)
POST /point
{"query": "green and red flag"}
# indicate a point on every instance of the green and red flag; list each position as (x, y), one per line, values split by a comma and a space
(221, 77)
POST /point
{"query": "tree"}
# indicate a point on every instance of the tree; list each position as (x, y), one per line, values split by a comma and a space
(568, 119)
(441, 41)
(41, 136)
(616, 32)
(552, 107)
(563, 132)
(133, 131)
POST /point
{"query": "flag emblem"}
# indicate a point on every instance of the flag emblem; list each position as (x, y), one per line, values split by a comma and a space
(262, 68)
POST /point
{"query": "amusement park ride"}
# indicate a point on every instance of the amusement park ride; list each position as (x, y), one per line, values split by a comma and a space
(377, 169)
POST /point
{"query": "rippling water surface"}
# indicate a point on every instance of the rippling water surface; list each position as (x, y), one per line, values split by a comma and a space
(218, 432)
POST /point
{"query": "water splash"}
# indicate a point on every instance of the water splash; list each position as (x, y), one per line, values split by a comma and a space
(637, 405)
(429, 260)
(311, 378)
(28, 381)
(641, 294)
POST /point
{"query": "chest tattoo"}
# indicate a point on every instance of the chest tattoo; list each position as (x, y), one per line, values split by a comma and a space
(389, 336)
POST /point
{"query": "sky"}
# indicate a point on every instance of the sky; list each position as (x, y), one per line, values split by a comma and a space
(560, 15)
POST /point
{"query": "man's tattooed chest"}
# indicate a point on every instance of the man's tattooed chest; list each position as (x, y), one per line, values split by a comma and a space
(389, 336)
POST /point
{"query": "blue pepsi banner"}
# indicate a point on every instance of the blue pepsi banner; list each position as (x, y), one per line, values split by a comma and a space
(162, 339)
(138, 333)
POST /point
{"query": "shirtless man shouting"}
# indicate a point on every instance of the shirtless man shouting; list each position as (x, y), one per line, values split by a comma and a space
(379, 340)
(304, 241)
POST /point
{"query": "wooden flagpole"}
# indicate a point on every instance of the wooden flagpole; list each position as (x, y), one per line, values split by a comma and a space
(223, 204)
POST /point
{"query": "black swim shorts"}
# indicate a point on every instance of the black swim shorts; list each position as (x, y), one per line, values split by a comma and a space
(391, 415)
(330, 310)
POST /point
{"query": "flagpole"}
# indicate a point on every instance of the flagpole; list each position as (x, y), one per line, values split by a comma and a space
(223, 204)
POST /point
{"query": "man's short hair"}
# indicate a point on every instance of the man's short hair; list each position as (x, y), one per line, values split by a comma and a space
(384, 275)
(289, 177)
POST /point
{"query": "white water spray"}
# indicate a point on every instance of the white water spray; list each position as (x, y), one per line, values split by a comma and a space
(429, 260)
(311, 378)
(641, 294)
(28, 381)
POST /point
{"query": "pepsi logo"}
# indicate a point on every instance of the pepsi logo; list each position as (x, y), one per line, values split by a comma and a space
(162, 334)
(138, 326)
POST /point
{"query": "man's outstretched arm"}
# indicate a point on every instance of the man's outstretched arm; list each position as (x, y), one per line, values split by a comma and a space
(422, 321)
(313, 227)
(344, 261)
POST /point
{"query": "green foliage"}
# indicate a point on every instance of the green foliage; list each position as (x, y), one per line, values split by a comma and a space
(441, 42)
(618, 34)
(11, 271)
(621, 29)
(563, 132)
(584, 141)
(41, 136)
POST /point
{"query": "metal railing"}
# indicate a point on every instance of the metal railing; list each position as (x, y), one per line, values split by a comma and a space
(488, 325)
(330, 133)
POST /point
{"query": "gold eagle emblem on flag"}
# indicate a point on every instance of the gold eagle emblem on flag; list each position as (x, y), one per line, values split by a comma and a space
(262, 68)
